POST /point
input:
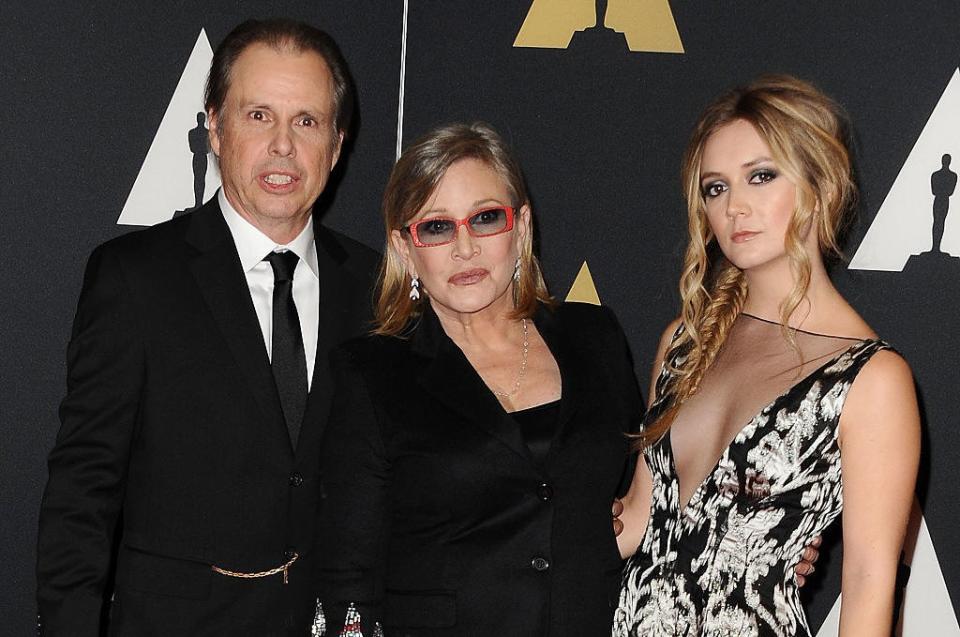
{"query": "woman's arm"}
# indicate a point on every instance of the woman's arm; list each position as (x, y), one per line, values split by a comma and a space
(636, 510)
(354, 508)
(879, 454)
(636, 504)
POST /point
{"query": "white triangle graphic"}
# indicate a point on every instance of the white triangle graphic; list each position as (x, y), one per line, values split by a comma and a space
(165, 183)
(903, 225)
(927, 609)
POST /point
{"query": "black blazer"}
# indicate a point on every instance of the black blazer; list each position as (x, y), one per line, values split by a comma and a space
(435, 518)
(173, 425)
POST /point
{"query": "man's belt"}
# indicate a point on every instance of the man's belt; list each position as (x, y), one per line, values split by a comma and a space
(283, 568)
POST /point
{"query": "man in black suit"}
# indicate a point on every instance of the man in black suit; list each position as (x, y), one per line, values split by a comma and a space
(186, 467)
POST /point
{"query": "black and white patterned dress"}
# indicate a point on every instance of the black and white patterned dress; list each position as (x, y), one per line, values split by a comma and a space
(723, 565)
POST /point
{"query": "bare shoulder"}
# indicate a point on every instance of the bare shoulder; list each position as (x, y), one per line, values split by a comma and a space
(882, 396)
(886, 371)
(885, 378)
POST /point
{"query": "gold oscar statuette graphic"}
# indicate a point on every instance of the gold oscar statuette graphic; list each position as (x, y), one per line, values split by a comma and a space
(583, 290)
(647, 25)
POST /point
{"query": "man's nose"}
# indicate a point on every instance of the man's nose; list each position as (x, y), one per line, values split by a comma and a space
(281, 144)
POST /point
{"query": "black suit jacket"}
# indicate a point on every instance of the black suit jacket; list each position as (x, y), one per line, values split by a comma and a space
(172, 424)
(437, 521)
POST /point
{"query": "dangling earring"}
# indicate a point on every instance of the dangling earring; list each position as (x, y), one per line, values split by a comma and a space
(414, 287)
(516, 283)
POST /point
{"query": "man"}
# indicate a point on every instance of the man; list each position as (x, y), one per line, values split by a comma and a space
(185, 468)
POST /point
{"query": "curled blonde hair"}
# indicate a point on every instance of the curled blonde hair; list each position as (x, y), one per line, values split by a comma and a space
(806, 133)
(413, 180)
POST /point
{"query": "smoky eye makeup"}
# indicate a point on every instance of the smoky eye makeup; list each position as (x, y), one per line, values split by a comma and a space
(763, 175)
(712, 188)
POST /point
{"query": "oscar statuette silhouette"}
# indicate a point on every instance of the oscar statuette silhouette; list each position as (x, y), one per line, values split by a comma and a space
(936, 262)
(199, 147)
(599, 37)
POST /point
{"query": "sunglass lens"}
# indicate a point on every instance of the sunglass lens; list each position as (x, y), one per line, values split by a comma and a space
(490, 221)
(435, 231)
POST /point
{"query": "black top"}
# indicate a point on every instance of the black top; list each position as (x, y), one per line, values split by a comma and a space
(437, 519)
(538, 425)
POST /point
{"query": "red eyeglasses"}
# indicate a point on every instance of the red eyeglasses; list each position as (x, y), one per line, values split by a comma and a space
(438, 231)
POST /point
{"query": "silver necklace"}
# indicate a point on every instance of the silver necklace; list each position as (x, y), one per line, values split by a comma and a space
(523, 365)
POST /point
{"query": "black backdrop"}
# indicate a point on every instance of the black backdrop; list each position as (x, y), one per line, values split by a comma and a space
(599, 130)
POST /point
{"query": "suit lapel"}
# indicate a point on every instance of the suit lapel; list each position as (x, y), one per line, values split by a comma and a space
(336, 321)
(572, 369)
(216, 268)
(448, 378)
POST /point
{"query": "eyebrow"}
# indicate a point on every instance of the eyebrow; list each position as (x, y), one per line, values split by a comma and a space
(750, 164)
(263, 106)
(474, 206)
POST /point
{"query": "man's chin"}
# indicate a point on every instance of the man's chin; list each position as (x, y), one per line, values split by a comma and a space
(271, 212)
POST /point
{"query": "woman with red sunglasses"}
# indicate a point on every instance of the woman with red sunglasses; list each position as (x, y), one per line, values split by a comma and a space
(477, 437)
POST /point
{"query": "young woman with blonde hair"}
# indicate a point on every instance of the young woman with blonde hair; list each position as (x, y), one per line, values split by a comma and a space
(774, 407)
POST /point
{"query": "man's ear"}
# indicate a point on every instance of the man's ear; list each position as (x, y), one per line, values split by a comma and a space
(336, 150)
(213, 131)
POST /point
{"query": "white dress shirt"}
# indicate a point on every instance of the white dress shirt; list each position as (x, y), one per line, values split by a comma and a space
(252, 246)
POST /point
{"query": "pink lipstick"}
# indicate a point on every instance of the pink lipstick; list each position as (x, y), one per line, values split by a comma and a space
(468, 277)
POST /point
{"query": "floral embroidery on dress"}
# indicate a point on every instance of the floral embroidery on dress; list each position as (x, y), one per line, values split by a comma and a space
(723, 565)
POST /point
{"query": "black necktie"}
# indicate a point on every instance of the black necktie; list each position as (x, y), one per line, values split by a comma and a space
(287, 360)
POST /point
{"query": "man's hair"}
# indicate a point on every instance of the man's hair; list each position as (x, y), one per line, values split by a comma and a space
(281, 35)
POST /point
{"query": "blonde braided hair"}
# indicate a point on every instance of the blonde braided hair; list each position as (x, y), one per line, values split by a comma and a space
(806, 133)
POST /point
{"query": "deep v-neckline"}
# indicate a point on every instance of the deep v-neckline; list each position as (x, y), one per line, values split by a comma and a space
(724, 454)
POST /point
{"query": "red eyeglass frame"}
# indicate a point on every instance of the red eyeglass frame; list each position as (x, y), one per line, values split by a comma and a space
(413, 232)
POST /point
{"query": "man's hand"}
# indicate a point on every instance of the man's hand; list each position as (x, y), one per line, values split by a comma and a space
(809, 556)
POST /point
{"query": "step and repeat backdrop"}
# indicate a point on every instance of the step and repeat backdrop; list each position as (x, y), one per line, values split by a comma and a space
(103, 131)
